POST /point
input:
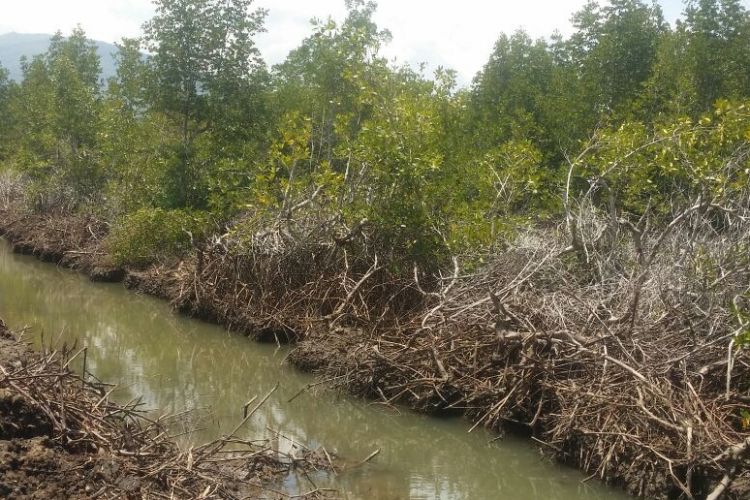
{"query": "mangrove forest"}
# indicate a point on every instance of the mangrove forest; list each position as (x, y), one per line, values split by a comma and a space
(558, 249)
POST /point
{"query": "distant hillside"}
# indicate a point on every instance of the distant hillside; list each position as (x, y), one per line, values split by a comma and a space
(15, 45)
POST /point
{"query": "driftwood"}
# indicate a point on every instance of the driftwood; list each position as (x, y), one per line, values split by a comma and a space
(616, 340)
(623, 360)
(82, 421)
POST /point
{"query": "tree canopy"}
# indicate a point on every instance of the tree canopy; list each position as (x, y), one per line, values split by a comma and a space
(195, 120)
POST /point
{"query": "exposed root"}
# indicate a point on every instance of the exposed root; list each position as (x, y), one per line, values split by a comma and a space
(626, 367)
(69, 240)
(63, 437)
(622, 352)
(283, 282)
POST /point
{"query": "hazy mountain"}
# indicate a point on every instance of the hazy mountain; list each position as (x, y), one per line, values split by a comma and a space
(15, 45)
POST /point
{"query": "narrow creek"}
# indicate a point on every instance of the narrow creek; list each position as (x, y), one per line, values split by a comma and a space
(176, 363)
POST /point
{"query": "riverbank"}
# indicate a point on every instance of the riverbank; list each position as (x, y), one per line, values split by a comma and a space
(652, 421)
(62, 437)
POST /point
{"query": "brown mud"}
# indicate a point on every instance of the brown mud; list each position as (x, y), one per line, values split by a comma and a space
(635, 407)
(61, 437)
(70, 241)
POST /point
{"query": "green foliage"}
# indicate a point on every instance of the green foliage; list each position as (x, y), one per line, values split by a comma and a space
(136, 152)
(521, 183)
(333, 80)
(132, 79)
(56, 117)
(615, 47)
(204, 64)
(745, 419)
(151, 235)
(7, 91)
(400, 146)
(674, 163)
(508, 96)
(669, 89)
(742, 339)
(717, 50)
(653, 115)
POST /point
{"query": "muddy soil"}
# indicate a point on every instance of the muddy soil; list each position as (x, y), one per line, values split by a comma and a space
(32, 465)
(357, 357)
(70, 241)
(57, 440)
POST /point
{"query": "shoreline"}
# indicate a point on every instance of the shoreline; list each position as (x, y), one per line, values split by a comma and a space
(62, 437)
(367, 363)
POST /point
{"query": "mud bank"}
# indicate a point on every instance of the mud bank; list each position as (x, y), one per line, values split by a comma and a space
(77, 242)
(62, 437)
(652, 430)
(71, 241)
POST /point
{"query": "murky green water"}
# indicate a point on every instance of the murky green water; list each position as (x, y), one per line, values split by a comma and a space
(177, 363)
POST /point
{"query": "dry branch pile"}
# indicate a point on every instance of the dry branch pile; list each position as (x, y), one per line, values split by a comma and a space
(11, 189)
(617, 342)
(286, 280)
(62, 437)
(620, 352)
(68, 239)
(616, 346)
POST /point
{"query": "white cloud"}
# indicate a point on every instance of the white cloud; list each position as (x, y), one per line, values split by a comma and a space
(107, 20)
(455, 34)
(458, 35)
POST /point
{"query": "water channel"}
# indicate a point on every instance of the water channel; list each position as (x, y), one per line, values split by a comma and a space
(176, 363)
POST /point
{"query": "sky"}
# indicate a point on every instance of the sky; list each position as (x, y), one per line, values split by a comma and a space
(450, 33)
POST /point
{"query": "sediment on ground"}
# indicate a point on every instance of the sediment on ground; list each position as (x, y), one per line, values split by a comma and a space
(621, 355)
(70, 240)
(62, 437)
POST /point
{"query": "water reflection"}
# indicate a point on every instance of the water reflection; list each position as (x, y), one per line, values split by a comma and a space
(175, 363)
